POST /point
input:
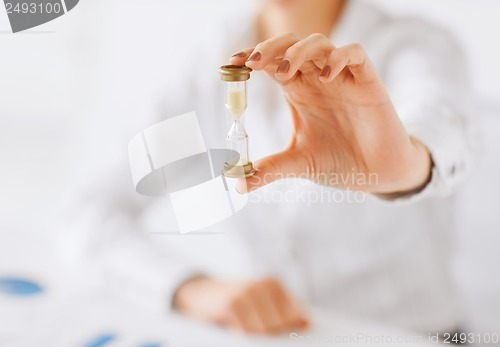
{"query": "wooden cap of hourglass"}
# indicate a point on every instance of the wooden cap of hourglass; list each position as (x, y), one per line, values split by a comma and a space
(234, 73)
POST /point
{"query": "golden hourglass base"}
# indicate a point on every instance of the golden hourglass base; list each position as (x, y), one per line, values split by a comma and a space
(239, 171)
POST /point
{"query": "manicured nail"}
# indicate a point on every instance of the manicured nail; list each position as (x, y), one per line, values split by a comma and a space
(239, 55)
(255, 57)
(326, 71)
(284, 67)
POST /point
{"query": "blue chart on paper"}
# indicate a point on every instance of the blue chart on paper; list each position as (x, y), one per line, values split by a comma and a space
(100, 341)
(105, 339)
(19, 287)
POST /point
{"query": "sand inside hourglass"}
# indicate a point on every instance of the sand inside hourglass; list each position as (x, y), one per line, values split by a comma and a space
(236, 103)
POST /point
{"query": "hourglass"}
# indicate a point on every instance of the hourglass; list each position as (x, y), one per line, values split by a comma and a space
(237, 164)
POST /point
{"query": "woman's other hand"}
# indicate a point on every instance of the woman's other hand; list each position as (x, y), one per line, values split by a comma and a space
(261, 306)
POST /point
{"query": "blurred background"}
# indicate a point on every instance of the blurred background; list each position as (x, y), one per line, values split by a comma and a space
(63, 87)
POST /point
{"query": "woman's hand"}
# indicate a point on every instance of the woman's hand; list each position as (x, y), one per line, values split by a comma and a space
(261, 306)
(346, 131)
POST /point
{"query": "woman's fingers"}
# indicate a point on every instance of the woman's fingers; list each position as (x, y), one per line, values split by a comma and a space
(245, 316)
(269, 311)
(267, 52)
(264, 307)
(290, 315)
(241, 57)
(354, 58)
(315, 48)
(284, 55)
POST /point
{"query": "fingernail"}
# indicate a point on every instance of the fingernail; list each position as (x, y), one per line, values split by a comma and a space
(239, 55)
(255, 57)
(326, 71)
(284, 67)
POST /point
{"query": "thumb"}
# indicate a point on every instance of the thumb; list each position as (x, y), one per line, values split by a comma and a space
(272, 168)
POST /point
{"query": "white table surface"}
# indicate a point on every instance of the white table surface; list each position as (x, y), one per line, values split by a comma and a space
(76, 320)
(74, 310)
